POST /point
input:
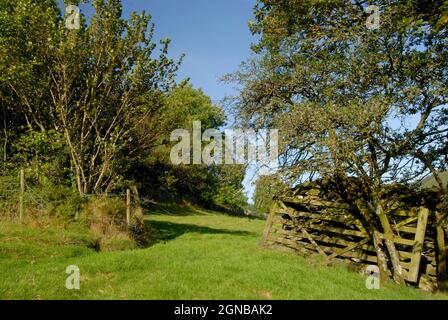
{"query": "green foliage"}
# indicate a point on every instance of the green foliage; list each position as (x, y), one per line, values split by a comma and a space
(28, 35)
(106, 218)
(214, 186)
(228, 191)
(85, 94)
(45, 152)
(59, 201)
(184, 104)
(349, 101)
(266, 188)
(93, 109)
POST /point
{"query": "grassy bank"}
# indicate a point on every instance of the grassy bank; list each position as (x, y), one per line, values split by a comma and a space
(199, 255)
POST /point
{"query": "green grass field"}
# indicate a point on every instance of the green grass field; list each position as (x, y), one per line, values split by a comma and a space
(200, 255)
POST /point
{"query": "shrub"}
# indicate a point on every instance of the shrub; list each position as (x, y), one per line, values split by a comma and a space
(106, 218)
(142, 234)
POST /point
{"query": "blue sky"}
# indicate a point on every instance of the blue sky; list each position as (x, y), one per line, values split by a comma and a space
(213, 35)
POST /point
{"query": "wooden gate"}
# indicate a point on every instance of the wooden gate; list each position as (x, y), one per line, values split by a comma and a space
(312, 225)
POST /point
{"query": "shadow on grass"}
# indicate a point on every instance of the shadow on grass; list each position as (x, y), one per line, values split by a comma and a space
(169, 230)
(175, 210)
(179, 210)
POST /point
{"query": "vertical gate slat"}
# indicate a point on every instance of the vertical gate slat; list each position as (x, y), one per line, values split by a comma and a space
(269, 221)
(418, 245)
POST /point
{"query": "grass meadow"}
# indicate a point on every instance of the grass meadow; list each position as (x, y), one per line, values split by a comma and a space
(198, 255)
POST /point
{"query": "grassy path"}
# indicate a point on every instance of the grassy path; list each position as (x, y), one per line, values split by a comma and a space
(202, 255)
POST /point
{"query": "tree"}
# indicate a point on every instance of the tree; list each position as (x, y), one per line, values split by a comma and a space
(266, 188)
(344, 97)
(214, 185)
(97, 88)
(27, 38)
(106, 87)
(227, 191)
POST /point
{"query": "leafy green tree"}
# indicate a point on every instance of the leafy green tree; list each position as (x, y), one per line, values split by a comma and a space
(27, 38)
(107, 86)
(94, 108)
(350, 101)
(216, 186)
(226, 190)
(97, 88)
(266, 188)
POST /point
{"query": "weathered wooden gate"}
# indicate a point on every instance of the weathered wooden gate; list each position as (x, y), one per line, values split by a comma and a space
(312, 225)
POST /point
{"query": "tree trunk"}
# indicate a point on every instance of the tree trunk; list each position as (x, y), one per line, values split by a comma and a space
(377, 238)
(382, 260)
(79, 181)
(389, 240)
(5, 143)
(442, 279)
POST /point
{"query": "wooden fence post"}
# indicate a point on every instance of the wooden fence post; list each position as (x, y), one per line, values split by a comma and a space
(138, 212)
(442, 277)
(128, 207)
(267, 228)
(414, 268)
(22, 193)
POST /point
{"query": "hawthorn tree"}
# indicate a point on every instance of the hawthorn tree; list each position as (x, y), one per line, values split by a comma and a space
(106, 86)
(99, 89)
(352, 102)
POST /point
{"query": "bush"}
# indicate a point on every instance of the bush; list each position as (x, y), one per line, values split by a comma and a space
(142, 234)
(106, 218)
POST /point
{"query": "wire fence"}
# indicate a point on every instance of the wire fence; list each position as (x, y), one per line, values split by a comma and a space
(9, 195)
(21, 197)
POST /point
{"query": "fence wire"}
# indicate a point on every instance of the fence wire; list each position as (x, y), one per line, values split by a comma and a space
(36, 200)
(9, 195)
